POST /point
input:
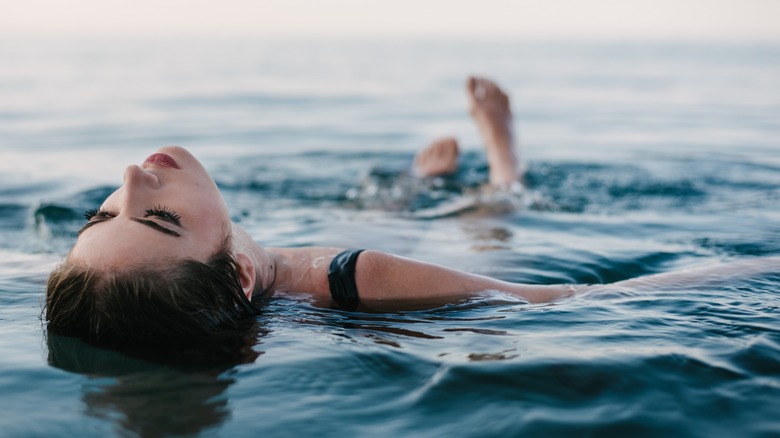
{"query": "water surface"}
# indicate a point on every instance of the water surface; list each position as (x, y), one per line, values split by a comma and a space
(642, 158)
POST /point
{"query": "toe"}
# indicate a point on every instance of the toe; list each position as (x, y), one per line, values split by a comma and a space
(471, 84)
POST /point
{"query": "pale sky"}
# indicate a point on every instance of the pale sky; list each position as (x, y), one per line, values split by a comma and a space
(669, 19)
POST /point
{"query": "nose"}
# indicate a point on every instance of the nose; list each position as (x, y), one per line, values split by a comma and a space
(134, 195)
(137, 178)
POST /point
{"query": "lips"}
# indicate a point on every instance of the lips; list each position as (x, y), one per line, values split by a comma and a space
(163, 160)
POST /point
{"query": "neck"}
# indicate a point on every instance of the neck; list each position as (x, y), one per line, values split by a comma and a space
(286, 269)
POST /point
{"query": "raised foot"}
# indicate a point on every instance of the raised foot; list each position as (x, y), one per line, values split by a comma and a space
(490, 109)
(439, 158)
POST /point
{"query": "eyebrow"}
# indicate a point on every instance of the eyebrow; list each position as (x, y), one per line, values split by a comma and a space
(151, 224)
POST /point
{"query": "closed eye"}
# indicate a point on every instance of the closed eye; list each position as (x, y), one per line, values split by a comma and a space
(165, 214)
(95, 217)
(98, 213)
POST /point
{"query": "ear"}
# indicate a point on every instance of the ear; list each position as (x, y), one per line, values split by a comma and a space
(246, 274)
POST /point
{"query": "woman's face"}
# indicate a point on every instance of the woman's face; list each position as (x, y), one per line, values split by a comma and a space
(168, 209)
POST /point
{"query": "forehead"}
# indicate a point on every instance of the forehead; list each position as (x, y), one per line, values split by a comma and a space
(119, 243)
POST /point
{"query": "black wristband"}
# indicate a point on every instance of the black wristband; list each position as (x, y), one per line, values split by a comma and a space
(341, 279)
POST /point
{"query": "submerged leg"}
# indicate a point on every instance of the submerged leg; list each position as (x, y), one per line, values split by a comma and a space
(493, 116)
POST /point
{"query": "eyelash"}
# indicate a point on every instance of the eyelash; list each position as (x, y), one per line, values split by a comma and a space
(159, 211)
(96, 212)
(165, 213)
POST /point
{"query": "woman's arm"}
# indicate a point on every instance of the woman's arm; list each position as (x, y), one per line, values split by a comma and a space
(388, 281)
(703, 275)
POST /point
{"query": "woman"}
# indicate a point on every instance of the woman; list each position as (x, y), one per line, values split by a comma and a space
(161, 260)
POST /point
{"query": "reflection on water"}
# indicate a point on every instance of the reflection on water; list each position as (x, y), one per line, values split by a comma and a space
(153, 393)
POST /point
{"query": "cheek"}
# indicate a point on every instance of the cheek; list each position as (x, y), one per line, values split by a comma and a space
(211, 218)
(212, 197)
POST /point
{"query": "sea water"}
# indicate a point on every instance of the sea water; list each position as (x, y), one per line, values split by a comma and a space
(642, 158)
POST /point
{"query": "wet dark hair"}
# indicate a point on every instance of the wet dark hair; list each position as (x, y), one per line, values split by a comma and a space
(187, 302)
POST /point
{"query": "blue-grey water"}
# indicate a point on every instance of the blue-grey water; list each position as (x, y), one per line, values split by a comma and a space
(642, 158)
